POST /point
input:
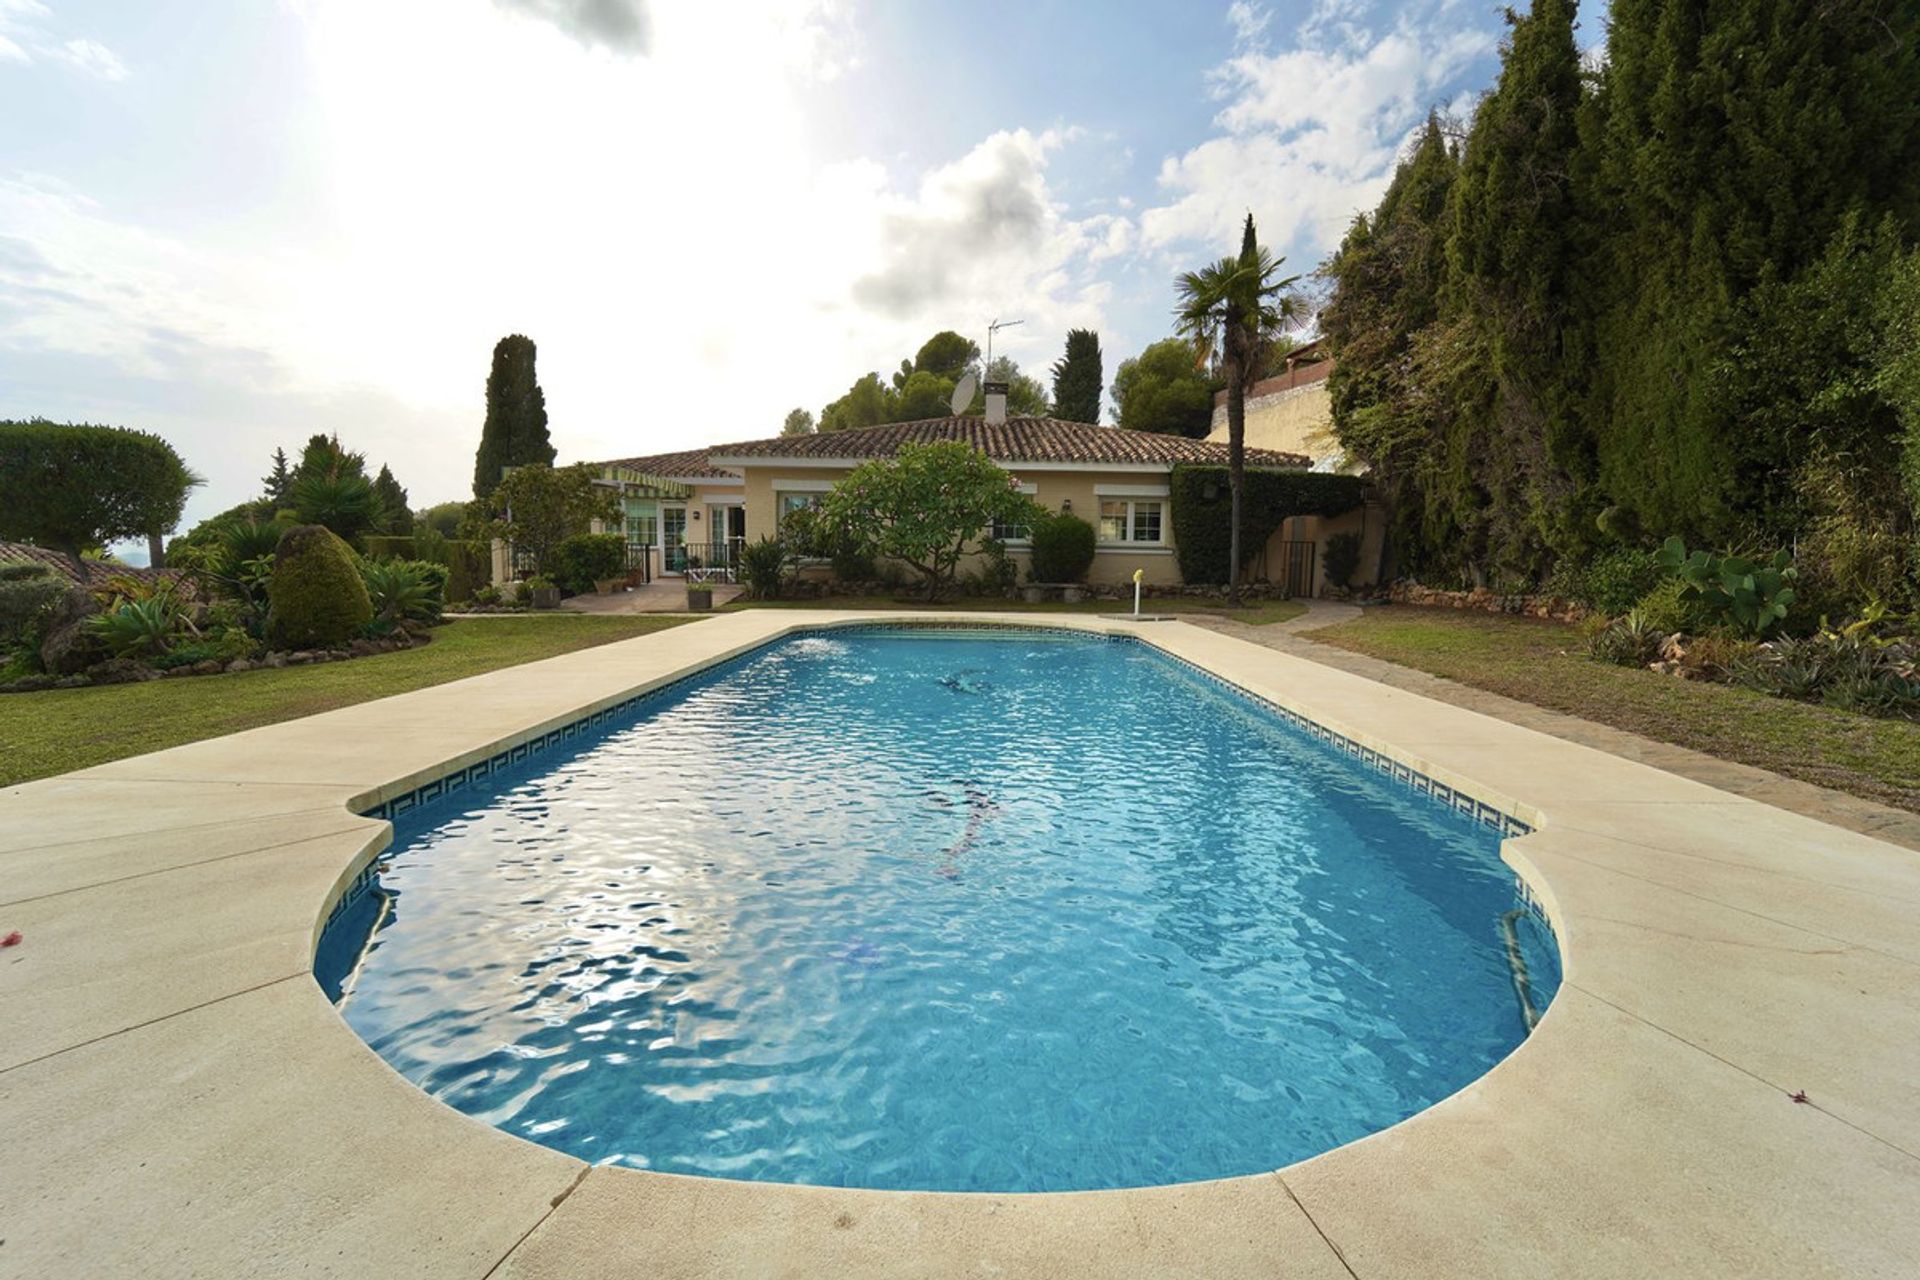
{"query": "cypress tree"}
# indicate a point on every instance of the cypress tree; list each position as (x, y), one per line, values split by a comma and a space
(1078, 378)
(515, 431)
(1736, 140)
(1515, 459)
(1388, 274)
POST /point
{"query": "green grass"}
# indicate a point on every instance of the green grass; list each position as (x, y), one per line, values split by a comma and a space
(1256, 613)
(1545, 663)
(64, 729)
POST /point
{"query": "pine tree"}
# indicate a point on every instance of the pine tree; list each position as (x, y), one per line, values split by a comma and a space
(515, 431)
(279, 481)
(1078, 378)
(396, 517)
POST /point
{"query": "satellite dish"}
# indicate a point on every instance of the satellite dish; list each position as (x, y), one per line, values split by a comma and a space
(963, 395)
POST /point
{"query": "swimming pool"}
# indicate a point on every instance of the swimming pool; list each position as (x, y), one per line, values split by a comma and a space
(931, 909)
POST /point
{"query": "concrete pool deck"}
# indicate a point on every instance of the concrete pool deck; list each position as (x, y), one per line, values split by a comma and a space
(178, 1098)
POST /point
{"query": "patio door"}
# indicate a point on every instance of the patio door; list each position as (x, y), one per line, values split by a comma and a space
(673, 537)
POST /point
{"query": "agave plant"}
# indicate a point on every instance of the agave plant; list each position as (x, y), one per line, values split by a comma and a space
(403, 589)
(141, 628)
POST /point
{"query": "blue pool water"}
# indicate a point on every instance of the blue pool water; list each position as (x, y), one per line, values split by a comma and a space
(942, 910)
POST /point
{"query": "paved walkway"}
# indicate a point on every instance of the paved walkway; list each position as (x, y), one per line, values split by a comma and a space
(1722, 1087)
(1836, 807)
(668, 595)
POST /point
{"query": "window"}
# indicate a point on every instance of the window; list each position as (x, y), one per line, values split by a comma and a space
(788, 503)
(1130, 520)
(1001, 531)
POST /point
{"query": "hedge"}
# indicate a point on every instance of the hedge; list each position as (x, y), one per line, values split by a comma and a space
(1202, 526)
(387, 546)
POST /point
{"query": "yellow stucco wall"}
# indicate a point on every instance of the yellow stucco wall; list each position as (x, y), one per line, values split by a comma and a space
(1295, 421)
(1051, 490)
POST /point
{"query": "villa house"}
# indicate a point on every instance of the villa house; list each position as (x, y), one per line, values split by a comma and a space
(695, 508)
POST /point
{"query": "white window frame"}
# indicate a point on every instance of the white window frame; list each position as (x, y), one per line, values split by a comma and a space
(1030, 489)
(1132, 507)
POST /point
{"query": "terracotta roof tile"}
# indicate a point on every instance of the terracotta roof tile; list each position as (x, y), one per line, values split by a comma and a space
(687, 462)
(1015, 441)
(98, 571)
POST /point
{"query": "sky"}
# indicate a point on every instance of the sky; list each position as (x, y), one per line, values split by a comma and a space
(239, 222)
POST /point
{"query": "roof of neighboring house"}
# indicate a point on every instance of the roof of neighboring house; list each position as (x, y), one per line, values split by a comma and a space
(98, 571)
(686, 463)
(1306, 364)
(1015, 441)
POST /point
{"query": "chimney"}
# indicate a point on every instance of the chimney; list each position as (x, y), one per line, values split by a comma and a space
(996, 403)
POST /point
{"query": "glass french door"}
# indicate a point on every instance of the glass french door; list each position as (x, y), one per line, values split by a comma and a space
(673, 538)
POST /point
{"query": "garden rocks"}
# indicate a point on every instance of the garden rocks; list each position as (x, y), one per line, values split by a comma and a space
(70, 645)
(1487, 600)
(122, 671)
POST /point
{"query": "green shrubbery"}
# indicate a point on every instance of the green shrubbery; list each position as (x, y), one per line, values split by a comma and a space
(1063, 547)
(588, 558)
(27, 592)
(1202, 513)
(763, 568)
(1341, 559)
(405, 590)
(316, 596)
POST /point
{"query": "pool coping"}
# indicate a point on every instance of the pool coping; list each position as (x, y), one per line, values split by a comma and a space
(183, 1100)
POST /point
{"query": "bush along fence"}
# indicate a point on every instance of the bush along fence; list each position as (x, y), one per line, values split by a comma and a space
(1203, 512)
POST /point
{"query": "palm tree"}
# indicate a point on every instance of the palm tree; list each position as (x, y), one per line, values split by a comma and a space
(1237, 307)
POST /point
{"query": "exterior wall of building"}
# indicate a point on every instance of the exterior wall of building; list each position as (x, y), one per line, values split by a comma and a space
(1294, 420)
(1080, 491)
(1368, 521)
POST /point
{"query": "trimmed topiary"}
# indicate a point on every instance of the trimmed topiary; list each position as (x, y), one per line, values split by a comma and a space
(316, 597)
(1063, 548)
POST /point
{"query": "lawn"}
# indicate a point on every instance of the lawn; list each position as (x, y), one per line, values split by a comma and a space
(64, 729)
(1255, 613)
(1545, 663)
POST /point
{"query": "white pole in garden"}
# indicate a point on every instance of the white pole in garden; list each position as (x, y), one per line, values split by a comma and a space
(1137, 575)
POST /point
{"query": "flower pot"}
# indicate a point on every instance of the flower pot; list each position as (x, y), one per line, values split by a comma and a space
(699, 598)
(546, 597)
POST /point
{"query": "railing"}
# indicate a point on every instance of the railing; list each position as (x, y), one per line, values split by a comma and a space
(710, 561)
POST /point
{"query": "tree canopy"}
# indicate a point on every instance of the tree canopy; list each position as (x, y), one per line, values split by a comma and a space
(1164, 389)
(1649, 298)
(923, 387)
(799, 422)
(928, 507)
(74, 487)
(536, 507)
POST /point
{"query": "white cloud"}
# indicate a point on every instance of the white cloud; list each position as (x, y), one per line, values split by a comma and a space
(1309, 135)
(93, 58)
(687, 280)
(25, 34)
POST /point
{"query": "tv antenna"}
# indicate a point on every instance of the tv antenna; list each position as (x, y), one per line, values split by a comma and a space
(992, 329)
(963, 394)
